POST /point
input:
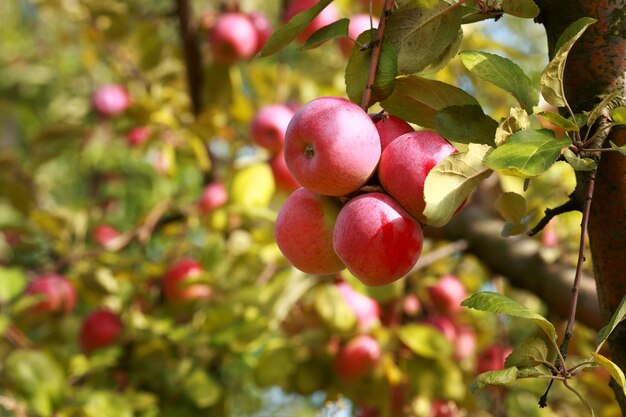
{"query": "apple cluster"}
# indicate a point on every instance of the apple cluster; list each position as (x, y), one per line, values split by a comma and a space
(333, 148)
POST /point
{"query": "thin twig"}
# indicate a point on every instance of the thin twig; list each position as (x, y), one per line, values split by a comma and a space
(569, 205)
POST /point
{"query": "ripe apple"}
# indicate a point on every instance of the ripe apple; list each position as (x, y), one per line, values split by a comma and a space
(493, 357)
(269, 125)
(263, 28)
(389, 128)
(57, 293)
(358, 357)
(324, 18)
(138, 135)
(411, 305)
(446, 295)
(282, 177)
(376, 239)
(364, 308)
(304, 232)
(406, 162)
(105, 235)
(358, 24)
(465, 342)
(233, 38)
(110, 99)
(101, 328)
(214, 196)
(176, 285)
(332, 146)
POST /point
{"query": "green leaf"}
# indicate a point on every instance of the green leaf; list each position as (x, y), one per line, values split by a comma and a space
(531, 352)
(335, 30)
(417, 100)
(600, 107)
(616, 373)
(527, 153)
(451, 181)
(526, 9)
(578, 163)
(448, 54)
(420, 42)
(201, 389)
(518, 120)
(504, 377)
(333, 309)
(619, 149)
(618, 316)
(559, 120)
(498, 303)
(252, 186)
(552, 76)
(619, 115)
(358, 67)
(425, 340)
(106, 404)
(285, 34)
(503, 73)
(427, 4)
(511, 206)
(466, 124)
(12, 283)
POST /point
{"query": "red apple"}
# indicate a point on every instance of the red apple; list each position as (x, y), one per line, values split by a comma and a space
(549, 237)
(101, 328)
(269, 126)
(411, 305)
(233, 38)
(57, 293)
(376, 239)
(138, 135)
(465, 342)
(282, 177)
(332, 146)
(389, 128)
(105, 235)
(176, 285)
(364, 308)
(111, 99)
(304, 232)
(444, 325)
(325, 18)
(406, 162)
(492, 358)
(214, 196)
(263, 28)
(358, 24)
(358, 357)
(446, 295)
(441, 408)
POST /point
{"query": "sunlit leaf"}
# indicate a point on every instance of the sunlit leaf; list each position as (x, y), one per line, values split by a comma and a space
(578, 163)
(616, 373)
(12, 283)
(424, 340)
(619, 115)
(559, 120)
(618, 316)
(505, 377)
(531, 352)
(518, 120)
(511, 206)
(526, 9)
(252, 186)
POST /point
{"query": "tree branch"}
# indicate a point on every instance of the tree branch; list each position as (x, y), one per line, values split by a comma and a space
(549, 214)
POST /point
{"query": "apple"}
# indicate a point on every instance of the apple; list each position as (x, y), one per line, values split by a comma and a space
(327, 16)
(138, 135)
(331, 146)
(464, 342)
(358, 357)
(269, 125)
(549, 237)
(358, 24)
(406, 162)
(110, 99)
(176, 285)
(101, 328)
(282, 177)
(304, 232)
(364, 308)
(57, 293)
(233, 38)
(447, 294)
(444, 325)
(493, 357)
(263, 28)
(105, 235)
(441, 408)
(389, 128)
(376, 239)
(411, 305)
(214, 196)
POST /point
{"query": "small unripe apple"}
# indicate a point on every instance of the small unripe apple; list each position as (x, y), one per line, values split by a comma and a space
(105, 235)
(406, 162)
(364, 308)
(263, 28)
(177, 285)
(447, 294)
(376, 239)
(57, 292)
(332, 146)
(358, 24)
(282, 177)
(327, 16)
(358, 357)
(101, 328)
(233, 38)
(269, 125)
(214, 196)
(304, 232)
(111, 99)
(138, 135)
(492, 358)
(389, 128)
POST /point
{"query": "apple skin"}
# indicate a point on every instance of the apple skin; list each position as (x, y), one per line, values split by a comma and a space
(447, 294)
(304, 232)
(110, 100)
(358, 357)
(406, 162)
(105, 234)
(214, 196)
(101, 328)
(358, 24)
(492, 358)
(138, 135)
(175, 288)
(391, 127)
(59, 295)
(365, 308)
(269, 125)
(263, 28)
(233, 38)
(327, 16)
(376, 239)
(331, 146)
(282, 177)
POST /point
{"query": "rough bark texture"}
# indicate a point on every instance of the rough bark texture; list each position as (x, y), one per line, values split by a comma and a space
(597, 65)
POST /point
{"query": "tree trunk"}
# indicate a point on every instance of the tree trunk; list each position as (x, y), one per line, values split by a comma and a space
(597, 65)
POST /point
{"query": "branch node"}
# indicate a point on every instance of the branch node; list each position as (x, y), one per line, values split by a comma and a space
(569, 205)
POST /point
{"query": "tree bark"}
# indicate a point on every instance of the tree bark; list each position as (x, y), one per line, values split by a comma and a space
(597, 65)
